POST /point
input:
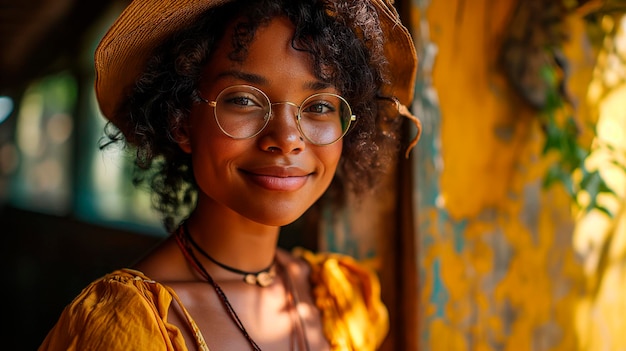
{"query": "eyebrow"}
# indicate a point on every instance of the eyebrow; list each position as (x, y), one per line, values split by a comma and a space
(248, 77)
(252, 78)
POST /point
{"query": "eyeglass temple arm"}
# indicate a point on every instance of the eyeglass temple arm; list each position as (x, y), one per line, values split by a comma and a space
(211, 103)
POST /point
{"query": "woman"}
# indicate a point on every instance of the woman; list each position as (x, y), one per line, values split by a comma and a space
(243, 115)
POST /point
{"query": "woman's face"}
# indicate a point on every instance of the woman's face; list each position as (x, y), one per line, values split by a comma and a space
(274, 177)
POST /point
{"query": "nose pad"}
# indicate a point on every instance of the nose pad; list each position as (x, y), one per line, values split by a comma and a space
(289, 108)
(285, 113)
(282, 132)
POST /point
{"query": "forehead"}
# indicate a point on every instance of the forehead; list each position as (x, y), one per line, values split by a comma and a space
(268, 58)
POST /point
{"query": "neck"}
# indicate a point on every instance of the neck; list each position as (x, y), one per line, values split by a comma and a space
(237, 243)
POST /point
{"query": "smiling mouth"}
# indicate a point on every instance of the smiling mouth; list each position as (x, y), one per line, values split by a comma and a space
(277, 182)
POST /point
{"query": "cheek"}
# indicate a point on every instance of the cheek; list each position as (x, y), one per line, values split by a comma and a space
(209, 147)
(330, 156)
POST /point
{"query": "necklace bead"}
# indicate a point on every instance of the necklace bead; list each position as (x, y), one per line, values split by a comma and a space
(262, 278)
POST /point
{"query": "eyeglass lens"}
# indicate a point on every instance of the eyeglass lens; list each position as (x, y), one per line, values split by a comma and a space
(243, 111)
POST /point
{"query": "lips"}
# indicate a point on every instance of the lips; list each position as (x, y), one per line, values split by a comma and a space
(278, 178)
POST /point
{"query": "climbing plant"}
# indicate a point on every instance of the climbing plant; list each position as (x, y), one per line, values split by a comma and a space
(536, 66)
(561, 137)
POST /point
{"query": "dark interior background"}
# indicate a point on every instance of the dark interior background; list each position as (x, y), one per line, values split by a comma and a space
(50, 258)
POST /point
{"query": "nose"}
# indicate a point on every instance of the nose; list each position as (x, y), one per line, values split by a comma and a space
(282, 133)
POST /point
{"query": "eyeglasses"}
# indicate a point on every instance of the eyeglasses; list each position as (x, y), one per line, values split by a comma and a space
(243, 111)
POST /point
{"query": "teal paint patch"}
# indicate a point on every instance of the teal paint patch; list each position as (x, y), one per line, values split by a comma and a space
(459, 239)
(440, 295)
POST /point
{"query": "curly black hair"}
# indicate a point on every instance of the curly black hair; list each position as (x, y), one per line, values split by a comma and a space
(344, 39)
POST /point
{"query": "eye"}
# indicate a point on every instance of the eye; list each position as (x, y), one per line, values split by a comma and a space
(242, 100)
(319, 107)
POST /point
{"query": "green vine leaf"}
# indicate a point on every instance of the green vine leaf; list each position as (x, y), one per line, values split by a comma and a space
(594, 185)
(562, 138)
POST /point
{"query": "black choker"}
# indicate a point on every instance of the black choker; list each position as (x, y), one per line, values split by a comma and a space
(262, 278)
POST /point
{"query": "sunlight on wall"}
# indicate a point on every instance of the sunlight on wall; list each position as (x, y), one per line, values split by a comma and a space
(599, 239)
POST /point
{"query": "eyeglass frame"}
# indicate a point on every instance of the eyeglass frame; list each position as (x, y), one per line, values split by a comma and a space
(298, 116)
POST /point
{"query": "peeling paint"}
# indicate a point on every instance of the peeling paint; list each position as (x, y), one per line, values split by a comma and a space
(497, 270)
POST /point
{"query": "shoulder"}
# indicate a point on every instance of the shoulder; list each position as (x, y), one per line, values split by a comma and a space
(120, 310)
(120, 289)
(348, 294)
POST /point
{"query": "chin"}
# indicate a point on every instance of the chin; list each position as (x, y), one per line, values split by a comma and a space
(277, 222)
(277, 217)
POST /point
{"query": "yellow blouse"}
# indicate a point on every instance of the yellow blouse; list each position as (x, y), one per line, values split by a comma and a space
(126, 310)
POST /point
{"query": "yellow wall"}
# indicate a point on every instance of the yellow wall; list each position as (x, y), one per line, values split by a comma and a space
(498, 268)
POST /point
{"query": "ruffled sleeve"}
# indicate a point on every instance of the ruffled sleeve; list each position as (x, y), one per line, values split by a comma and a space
(348, 294)
(123, 310)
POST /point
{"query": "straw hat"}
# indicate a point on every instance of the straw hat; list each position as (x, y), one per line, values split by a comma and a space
(121, 56)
